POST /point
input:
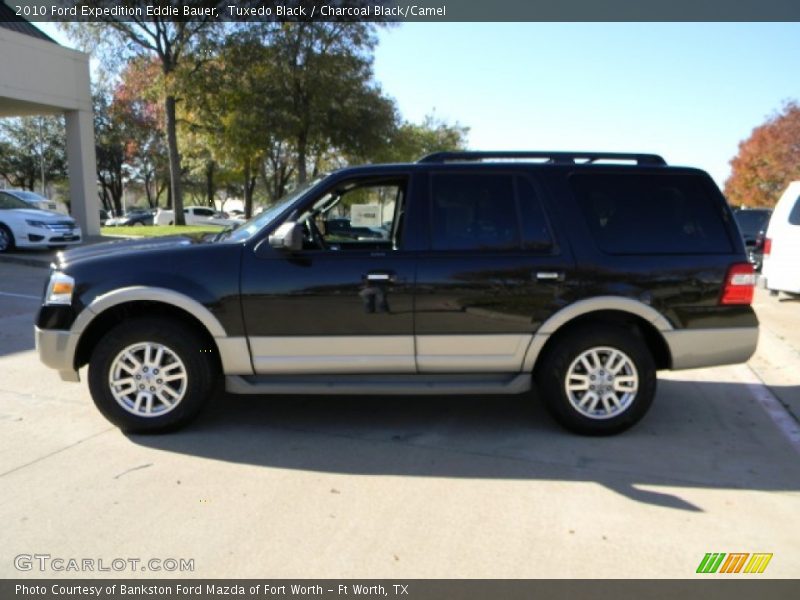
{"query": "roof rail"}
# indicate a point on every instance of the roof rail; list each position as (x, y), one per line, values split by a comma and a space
(561, 158)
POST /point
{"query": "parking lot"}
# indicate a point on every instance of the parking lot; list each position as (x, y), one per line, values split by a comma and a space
(404, 487)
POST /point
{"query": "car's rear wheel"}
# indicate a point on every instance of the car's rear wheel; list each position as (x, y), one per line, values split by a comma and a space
(598, 380)
(6, 239)
(150, 374)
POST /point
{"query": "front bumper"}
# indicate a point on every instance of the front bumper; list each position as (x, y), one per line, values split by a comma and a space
(37, 237)
(56, 350)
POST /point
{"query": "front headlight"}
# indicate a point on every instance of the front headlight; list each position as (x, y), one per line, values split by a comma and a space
(39, 224)
(59, 289)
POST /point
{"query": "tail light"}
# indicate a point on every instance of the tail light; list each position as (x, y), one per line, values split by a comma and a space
(759, 243)
(739, 284)
(767, 246)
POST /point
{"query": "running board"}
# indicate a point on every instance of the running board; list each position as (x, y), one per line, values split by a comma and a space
(514, 383)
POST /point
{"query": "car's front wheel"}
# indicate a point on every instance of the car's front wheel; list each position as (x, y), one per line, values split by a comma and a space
(151, 374)
(598, 379)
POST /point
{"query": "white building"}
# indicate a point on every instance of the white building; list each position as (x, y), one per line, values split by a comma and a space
(39, 77)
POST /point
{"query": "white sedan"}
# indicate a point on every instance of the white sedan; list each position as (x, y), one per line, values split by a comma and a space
(26, 227)
(197, 215)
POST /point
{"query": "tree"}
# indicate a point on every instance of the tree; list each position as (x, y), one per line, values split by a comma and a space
(109, 149)
(767, 161)
(325, 93)
(32, 148)
(138, 111)
(169, 43)
(411, 141)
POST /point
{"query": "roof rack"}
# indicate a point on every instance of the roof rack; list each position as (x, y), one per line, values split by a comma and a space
(560, 158)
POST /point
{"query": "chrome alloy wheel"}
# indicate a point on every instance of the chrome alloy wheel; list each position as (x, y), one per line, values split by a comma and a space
(147, 379)
(601, 383)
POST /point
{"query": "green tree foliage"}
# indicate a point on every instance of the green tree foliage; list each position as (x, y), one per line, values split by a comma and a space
(169, 43)
(411, 141)
(767, 161)
(30, 146)
(288, 99)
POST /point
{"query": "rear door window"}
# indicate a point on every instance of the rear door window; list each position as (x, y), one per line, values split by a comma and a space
(652, 213)
(487, 212)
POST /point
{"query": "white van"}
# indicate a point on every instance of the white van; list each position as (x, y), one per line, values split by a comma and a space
(781, 271)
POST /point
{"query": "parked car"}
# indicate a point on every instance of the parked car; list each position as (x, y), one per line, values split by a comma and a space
(133, 217)
(342, 228)
(197, 215)
(579, 275)
(105, 217)
(781, 271)
(753, 224)
(35, 200)
(24, 227)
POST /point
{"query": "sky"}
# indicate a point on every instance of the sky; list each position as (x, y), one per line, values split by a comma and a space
(688, 91)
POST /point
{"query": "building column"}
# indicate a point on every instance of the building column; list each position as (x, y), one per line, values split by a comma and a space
(82, 171)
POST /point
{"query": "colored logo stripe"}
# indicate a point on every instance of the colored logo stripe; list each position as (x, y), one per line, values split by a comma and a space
(713, 562)
(758, 562)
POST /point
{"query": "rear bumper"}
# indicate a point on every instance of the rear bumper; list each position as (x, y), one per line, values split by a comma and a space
(696, 348)
(56, 350)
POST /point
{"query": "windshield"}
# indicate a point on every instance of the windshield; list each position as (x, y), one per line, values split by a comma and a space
(29, 196)
(7, 201)
(247, 230)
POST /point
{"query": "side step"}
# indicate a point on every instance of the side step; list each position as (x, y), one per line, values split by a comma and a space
(397, 385)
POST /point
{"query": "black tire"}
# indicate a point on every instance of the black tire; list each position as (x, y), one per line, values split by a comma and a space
(6, 239)
(184, 343)
(552, 371)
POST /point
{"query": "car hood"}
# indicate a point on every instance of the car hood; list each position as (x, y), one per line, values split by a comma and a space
(42, 215)
(119, 248)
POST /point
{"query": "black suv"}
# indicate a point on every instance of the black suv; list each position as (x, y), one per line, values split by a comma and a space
(580, 274)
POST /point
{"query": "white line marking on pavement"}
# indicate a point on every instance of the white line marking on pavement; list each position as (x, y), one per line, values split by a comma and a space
(783, 420)
(19, 295)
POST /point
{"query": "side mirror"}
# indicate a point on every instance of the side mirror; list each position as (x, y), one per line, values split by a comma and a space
(289, 236)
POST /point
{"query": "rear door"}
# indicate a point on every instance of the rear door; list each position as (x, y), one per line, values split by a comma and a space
(493, 271)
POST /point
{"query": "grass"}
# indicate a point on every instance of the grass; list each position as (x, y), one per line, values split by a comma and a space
(159, 230)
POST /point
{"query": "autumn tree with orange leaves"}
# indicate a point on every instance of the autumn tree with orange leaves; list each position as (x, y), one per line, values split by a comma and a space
(767, 161)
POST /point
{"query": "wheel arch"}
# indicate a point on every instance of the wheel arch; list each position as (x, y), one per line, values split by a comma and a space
(106, 311)
(644, 320)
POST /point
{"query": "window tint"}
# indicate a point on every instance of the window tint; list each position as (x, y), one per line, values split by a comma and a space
(794, 216)
(204, 212)
(652, 214)
(474, 212)
(535, 232)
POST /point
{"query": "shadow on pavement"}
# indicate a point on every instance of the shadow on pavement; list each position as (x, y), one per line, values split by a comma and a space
(698, 434)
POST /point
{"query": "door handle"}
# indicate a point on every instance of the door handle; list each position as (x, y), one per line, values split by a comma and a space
(549, 276)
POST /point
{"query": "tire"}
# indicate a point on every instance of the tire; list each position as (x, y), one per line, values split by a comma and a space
(138, 224)
(622, 395)
(6, 239)
(183, 353)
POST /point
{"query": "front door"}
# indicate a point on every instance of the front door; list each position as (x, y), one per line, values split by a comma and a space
(344, 303)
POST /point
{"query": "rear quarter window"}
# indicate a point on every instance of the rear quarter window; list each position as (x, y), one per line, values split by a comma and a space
(652, 213)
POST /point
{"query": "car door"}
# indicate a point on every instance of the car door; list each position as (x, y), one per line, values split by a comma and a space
(339, 305)
(493, 272)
